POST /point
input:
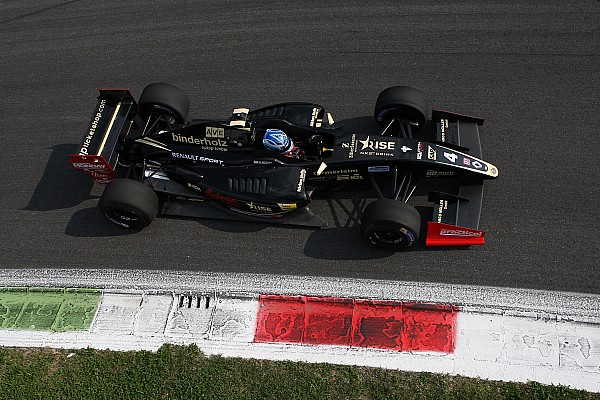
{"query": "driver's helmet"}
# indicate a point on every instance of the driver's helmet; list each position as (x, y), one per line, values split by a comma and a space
(277, 140)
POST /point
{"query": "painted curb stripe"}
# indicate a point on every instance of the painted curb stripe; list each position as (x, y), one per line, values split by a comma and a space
(356, 323)
(48, 309)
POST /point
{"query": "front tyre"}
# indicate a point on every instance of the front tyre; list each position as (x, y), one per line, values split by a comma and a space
(401, 102)
(164, 100)
(390, 224)
(129, 204)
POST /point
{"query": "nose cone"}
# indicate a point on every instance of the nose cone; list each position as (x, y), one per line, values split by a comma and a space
(492, 170)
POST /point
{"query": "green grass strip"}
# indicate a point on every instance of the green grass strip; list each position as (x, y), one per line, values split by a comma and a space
(185, 373)
(48, 309)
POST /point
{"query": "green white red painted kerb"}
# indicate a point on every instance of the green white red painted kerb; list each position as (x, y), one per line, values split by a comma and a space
(414, 336)
(307, 320)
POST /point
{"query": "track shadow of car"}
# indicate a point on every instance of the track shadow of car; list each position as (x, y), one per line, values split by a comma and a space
(61, 186)
(341, 244)
(89, 222)
(367, 124)
(230, 226)
(343, 241)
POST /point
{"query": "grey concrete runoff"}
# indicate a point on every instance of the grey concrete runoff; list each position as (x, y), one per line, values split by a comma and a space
(545, 305)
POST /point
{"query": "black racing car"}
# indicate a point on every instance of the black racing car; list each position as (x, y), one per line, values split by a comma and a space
(154, 160)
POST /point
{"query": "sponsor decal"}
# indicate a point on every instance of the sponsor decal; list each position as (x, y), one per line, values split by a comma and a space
(195, 187)
(432, 173)
(339, 171)
(420, 151)
(206, 143)
(466, 161)
(371, 147)
(263, 162)
(459, 232)
(101, 178)
(379, 168)
(226, 200)
(405, 149)
(194, 157)
(431, 153)
(339, 174)
(84, 165)
(313, 118)
(301, 180)
(442, 206)
(88, 139)
(450, 156)
(443, 126)
(345, 177)
(215, 132)
(376, 145)
(259, 208)
(477, 164)
(352, 146)
(189, 199)
(287, 207)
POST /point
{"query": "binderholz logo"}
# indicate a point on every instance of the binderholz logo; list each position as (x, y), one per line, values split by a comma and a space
(218, 142)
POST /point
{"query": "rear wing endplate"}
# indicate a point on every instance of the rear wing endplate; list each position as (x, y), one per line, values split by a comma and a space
(110, 120)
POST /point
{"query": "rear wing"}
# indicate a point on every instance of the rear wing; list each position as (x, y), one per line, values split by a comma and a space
(456, 215)
(110, 120)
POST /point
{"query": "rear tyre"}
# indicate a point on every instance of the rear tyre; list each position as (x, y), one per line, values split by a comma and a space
(163, 99)
(401, 102)
(129, 204)
(390, 224)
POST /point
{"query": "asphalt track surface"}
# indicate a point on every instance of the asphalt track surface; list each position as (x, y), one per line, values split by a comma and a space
(530, 68)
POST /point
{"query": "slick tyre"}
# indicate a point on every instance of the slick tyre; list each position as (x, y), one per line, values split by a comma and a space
(129, 204)
(163, 99)
(401, 102)
(390, 224)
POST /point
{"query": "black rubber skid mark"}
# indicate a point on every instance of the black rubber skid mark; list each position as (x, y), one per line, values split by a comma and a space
(43, 10)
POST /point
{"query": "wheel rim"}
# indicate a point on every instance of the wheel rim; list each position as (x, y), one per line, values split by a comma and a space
(123, 217)
(411, 115)
(393, 237)
(166, 112)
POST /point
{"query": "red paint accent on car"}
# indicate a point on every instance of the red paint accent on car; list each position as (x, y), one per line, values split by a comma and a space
(439, 234)
(356, 323)
(95, 166)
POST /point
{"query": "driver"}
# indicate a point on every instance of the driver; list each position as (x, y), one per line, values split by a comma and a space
(277, 140)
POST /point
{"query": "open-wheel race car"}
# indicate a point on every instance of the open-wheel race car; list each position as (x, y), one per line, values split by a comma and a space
(264, 165)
